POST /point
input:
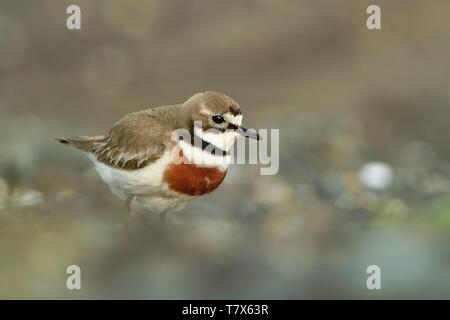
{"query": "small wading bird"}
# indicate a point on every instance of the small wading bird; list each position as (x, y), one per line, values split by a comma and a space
(139, 158)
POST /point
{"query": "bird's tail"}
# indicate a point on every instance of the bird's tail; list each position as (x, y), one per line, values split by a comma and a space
(85, 143)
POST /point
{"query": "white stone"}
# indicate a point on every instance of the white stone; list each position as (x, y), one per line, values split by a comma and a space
(376, 175)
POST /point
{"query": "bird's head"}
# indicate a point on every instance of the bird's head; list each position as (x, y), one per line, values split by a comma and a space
(217, 118)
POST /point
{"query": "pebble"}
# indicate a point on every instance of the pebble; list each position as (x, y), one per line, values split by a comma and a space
(24, 197)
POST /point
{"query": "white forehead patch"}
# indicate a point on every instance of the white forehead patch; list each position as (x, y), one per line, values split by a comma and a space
(230, 118)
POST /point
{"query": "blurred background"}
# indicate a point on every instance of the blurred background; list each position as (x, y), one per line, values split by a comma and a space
(364, 155)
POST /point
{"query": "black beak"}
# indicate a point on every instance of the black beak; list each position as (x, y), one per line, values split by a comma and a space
(251, 134)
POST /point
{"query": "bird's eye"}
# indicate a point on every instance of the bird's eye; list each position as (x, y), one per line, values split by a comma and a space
(218, 119)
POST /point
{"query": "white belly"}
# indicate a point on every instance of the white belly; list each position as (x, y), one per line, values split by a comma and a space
(147, 181)
(147, 185)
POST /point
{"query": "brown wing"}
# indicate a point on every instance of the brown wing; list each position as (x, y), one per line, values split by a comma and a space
(132, 143)
(135, 141)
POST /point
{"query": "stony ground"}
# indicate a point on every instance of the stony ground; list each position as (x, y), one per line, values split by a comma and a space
(364, 156)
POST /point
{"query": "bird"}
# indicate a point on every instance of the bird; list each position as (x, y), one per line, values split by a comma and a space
(161, 158)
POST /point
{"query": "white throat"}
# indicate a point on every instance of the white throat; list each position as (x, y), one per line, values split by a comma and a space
(201, 157)
(204, 158)
(221, 140)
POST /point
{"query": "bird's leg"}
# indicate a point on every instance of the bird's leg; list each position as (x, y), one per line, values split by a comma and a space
(128, 203)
